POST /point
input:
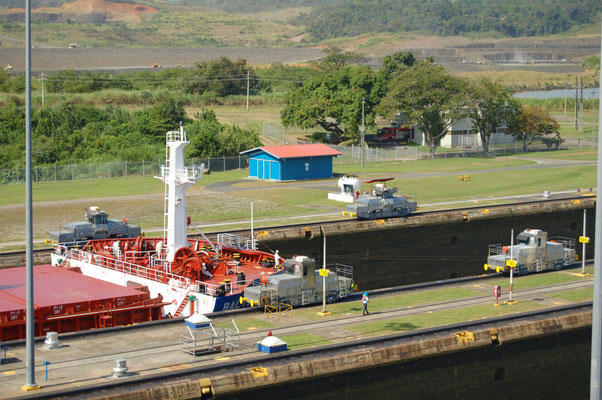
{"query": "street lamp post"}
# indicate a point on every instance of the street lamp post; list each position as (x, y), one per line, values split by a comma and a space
(362, 130)
(30, 383)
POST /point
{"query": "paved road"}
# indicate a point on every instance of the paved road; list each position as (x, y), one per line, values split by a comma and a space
(88, 360)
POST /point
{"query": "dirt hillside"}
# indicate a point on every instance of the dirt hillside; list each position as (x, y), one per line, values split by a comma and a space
(125, 12)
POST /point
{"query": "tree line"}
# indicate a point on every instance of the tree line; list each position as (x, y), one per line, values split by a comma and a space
(424, 93)
(329, 94)
(513, 18)
(75, 132)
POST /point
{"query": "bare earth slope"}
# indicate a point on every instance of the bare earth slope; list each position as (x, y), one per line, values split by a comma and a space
(124, 12)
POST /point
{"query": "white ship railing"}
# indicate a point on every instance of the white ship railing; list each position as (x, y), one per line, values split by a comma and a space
(152, 274)
(126, 267)
(229, 240)
(176, 136)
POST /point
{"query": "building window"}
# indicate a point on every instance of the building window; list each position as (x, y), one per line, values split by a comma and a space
(306, 166)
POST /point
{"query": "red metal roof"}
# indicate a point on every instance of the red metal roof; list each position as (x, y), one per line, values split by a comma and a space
(55, 286)
(299, 150)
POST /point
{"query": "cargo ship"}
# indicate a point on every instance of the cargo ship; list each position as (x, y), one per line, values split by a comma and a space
(190, 275)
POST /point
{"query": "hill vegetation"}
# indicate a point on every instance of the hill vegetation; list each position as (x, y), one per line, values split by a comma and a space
(254, 6)
(278, 23)
(513, 18)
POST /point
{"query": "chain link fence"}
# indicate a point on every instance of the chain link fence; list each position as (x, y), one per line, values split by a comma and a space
(353, 153)
(107, 170)
(279, 132)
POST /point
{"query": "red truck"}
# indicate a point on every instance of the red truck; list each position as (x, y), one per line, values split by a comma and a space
(391, 133)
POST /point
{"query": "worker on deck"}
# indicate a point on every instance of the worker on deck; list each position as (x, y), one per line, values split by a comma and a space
(204, 271)
(365, 301)
(276, 258)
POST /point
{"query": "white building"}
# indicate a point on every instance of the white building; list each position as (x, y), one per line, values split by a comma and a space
(462, 135)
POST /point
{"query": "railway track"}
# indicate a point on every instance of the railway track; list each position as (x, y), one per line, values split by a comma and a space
(17, 258)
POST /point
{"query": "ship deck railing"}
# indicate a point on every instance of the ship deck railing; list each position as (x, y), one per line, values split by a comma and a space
(126, 267)
(156, 274)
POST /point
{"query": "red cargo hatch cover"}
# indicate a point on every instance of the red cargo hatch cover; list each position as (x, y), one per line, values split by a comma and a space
(55, 286)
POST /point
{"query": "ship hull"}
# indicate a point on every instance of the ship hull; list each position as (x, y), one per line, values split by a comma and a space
(172, 292)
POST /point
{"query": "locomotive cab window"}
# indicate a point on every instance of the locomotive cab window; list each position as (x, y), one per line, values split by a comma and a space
(522, 239)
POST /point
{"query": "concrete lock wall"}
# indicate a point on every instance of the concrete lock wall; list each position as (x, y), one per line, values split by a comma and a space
(261, 375)
(429, 247)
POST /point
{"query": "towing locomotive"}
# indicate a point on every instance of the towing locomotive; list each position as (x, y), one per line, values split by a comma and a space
(534, 252)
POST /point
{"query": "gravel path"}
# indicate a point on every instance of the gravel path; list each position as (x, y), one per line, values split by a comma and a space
(44, 59)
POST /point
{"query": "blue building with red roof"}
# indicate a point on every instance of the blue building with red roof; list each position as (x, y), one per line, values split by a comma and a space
(291, 162)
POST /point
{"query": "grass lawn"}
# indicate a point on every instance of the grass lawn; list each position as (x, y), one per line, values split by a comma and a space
(585, 154)
(538, 280)
(140, 199)
(302, 340)
(386, 303)
(576, 296)
(455, 164)
(101, 188)
(250, 324)
(498, 183)
(394, 325)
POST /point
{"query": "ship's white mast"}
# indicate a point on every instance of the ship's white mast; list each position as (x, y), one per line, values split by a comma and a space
(177, 179)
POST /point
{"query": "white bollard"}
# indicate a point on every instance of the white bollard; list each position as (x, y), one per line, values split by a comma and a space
(120, 370)
(52, 340)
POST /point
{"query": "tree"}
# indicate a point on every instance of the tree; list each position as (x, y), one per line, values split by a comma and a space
(490, 105)
(222, 77)
(336, 58)
(531, 123)
(396, 63)
(209, 138)
(166, 116)
(333, 101)
(430, 98)
(204, 135)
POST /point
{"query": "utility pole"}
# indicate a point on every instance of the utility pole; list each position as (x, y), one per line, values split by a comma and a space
(42, 88)
(583, 241)
(576, 93)
(581, 107)
(511, 268)
(248, 85)
(566, 95)
(252, 233)
(30, 383)
(363, 130)
(596, 356)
